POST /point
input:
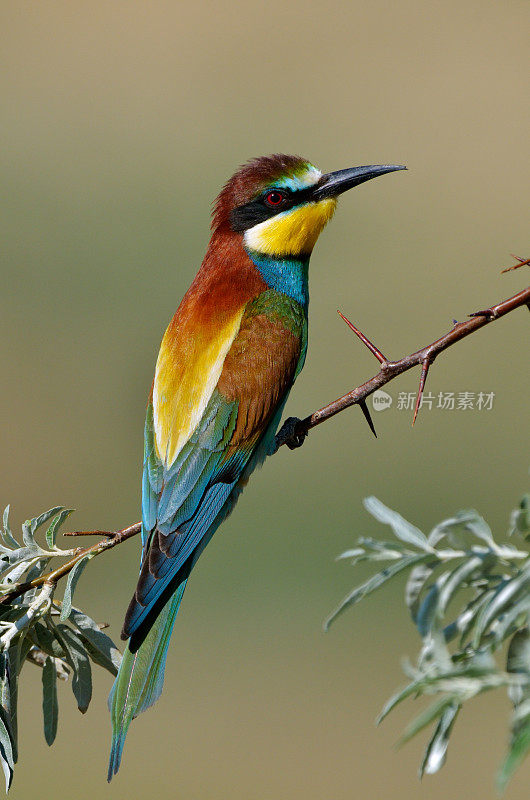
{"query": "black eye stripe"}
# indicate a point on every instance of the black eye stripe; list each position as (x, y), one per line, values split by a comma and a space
(257, 210)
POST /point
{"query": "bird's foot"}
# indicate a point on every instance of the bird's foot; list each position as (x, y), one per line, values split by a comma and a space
(291, 433)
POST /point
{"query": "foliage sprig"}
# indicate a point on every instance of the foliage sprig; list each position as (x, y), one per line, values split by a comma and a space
(469, 598)
(38, 628)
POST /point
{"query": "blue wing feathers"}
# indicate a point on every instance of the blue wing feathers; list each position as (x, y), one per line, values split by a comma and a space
(181, 505)
(184, 545)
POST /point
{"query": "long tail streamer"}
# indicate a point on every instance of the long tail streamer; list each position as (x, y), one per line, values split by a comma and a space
(140, 678)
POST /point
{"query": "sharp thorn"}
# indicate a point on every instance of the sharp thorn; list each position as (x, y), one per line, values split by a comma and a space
(423, 377)
(488, 312)
(364, 339)
(523, 262)
(368, 418)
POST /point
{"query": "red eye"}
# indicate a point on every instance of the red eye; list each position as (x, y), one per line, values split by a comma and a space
(274, 198)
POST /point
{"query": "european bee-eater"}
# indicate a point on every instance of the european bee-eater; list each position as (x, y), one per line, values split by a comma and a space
(224, 371)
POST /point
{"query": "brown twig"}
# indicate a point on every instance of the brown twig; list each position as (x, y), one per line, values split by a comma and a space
(297, 432)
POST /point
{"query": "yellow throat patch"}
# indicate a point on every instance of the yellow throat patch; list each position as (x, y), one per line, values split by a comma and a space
(291, 233)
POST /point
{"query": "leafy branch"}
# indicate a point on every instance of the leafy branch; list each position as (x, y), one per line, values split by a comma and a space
(79, 555)
(38, 628)
(457, 565)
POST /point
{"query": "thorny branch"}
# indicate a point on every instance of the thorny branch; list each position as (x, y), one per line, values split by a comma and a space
(294, 430)
(391, 369)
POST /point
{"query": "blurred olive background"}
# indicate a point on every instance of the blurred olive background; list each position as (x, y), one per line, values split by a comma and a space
(120, 123)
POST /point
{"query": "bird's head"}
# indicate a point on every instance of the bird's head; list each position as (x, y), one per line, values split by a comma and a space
(279, 204)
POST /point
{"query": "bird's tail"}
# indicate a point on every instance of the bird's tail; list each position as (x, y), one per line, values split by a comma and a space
(140, 678)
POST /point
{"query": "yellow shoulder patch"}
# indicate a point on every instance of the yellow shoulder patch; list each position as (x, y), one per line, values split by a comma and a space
(187, 371)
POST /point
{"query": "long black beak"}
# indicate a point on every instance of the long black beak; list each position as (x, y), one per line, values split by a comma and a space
(335, 183)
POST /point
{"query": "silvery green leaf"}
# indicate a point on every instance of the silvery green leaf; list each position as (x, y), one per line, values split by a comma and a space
(457, 579)
(515, 617)
(37, 569)
(382, 547)
(480, 665)
(14, 575)
(518, 661)
(459, 529)
(9, 611)
(438, 533)
(21, 645)
(100, 647)
(6, 752)
(396, 699)
(20, 554)
(27, 535)
(467, 619)
(450, 631)
(16, 656)
(472, 520)
(356, 551)
(416, 581)
(36, 522)
(436, 751)
(365, 557)
(381, 555)
(427, 610)
(518, 749)
(434, 653)
(77, 657)
(404, 530)
(5, 688)
(51, 533)
(377, 555)
(455, 530)
(521, 714)
(73, 577)
(448, 681)
(7, 536)
(374, 583)
(50, 708)
(11, 713)
(46, 640)
(431, 713)
(520, 518)
(482, 662)
(504, 596)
